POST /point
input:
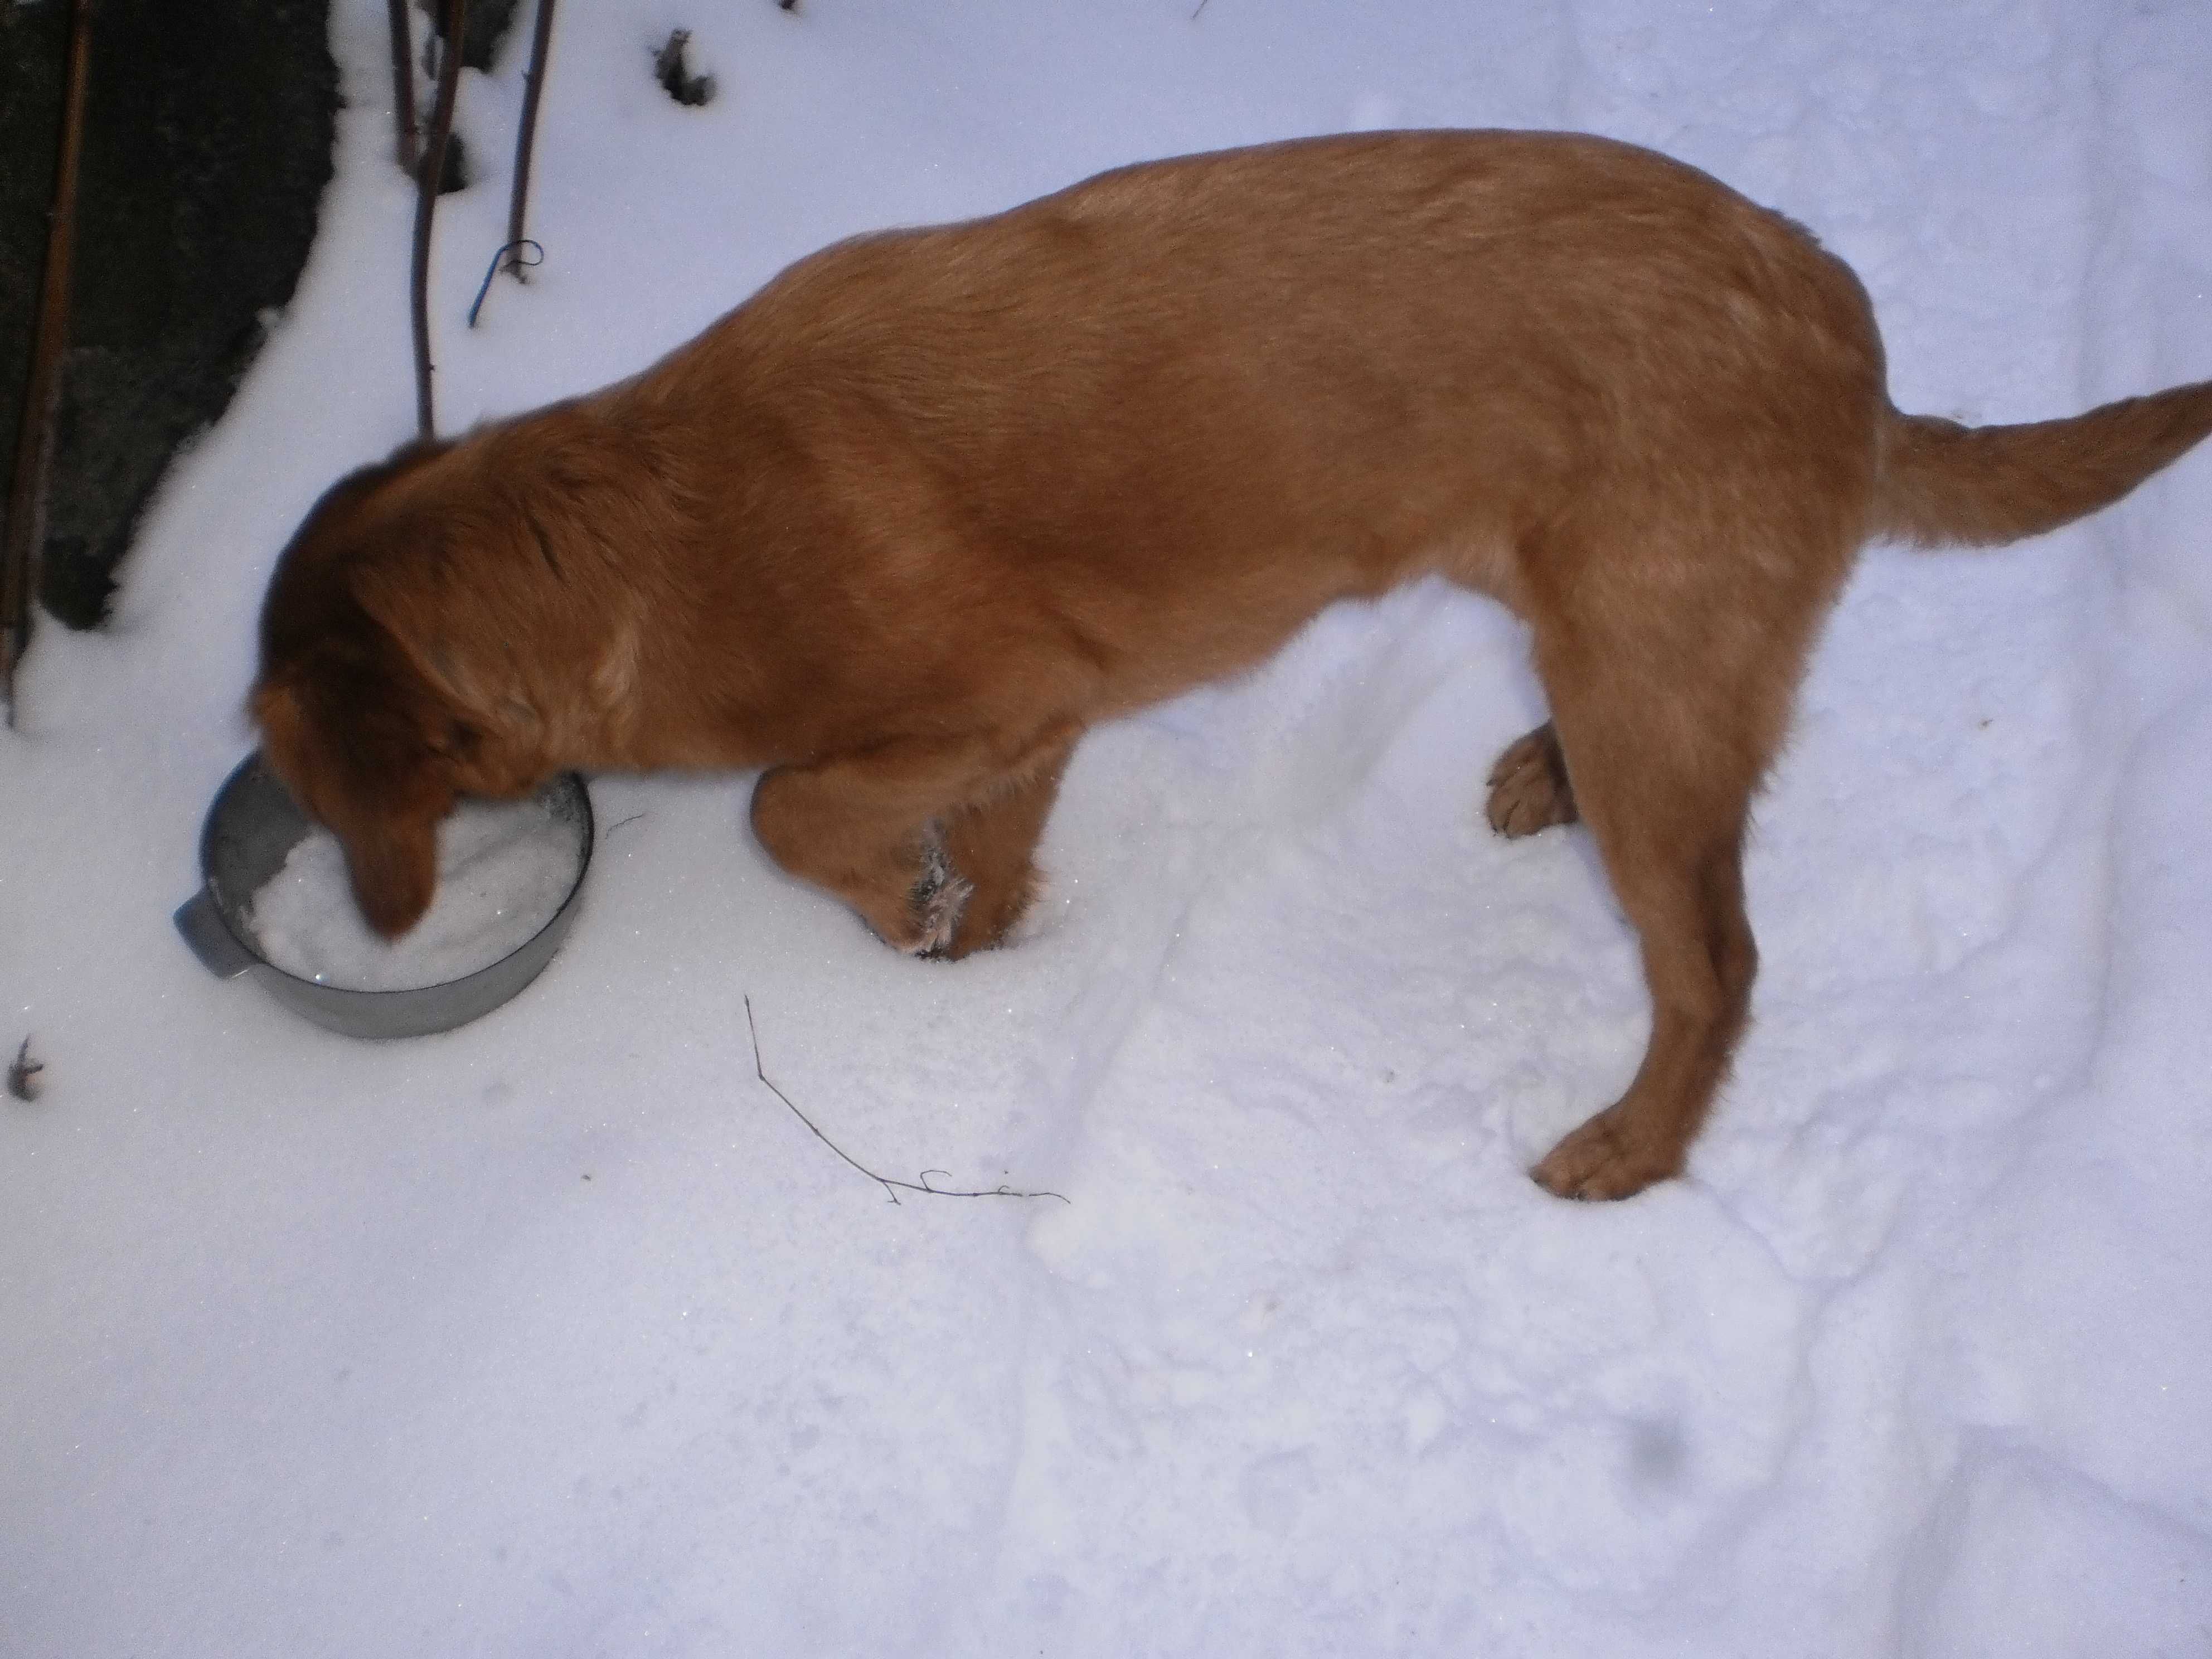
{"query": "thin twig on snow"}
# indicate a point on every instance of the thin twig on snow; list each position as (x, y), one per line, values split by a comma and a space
(892, 1187)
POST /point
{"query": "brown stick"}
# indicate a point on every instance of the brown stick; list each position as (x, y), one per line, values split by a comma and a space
(402, 85)
(35, 442)
(432, 171)
(533, 85)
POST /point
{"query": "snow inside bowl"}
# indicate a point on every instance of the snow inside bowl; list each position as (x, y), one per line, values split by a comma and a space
(277, 905)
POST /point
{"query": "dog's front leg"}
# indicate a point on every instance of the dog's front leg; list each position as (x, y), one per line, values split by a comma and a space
(992, 844)
(864, 827)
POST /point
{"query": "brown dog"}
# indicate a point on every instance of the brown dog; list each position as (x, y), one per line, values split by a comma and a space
(900, 528)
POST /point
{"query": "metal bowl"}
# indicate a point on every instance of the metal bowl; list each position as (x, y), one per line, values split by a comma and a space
(252, 826)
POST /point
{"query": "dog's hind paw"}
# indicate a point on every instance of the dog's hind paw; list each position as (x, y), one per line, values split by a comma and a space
(1603, 1160)
(1529, 789)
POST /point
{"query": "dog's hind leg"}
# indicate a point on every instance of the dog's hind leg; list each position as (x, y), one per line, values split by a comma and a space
(1671, 673)
(1670, 827)
(1682, 886)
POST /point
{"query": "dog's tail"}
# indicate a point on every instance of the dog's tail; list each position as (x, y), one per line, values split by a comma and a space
(1945, 484)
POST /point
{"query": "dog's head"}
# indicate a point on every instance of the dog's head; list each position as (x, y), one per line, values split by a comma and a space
(353, 740)
(355, 717)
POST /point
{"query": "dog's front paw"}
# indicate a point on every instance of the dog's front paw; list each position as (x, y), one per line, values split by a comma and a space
(940, 896)
(994, 910)
(1606, 1158)
(1528, 786)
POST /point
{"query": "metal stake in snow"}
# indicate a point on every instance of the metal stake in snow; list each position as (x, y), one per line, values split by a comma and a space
(432, 172)
(533, 87)
(407, 150)
(35, 444)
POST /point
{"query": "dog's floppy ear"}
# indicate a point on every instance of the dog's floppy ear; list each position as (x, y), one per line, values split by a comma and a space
(343, 738)
(418, 608)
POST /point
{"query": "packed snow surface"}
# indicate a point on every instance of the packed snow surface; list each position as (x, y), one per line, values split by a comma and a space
(562, 1334)
(503, 869)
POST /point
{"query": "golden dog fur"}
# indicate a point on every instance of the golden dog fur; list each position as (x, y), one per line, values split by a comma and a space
(900, 528)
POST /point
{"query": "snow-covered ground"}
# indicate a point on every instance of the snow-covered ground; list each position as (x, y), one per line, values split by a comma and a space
(561, 1334)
